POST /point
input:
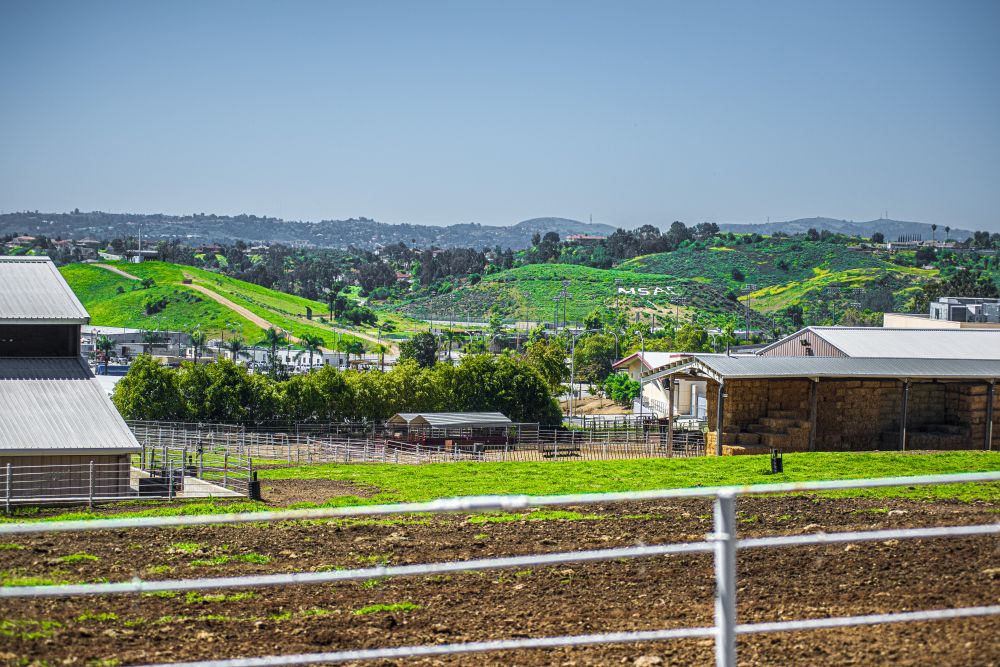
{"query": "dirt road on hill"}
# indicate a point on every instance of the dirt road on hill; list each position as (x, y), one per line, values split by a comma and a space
(640, 594)
(114, 269)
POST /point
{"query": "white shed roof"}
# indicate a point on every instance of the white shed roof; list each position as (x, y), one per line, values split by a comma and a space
(33, 291)
(451, 419)
(56, 406)
(912, 343)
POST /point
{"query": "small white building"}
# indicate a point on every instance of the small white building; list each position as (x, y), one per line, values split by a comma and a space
(689, 395)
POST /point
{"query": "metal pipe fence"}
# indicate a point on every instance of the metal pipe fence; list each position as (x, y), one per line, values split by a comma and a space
(724, 543)
(354, 443)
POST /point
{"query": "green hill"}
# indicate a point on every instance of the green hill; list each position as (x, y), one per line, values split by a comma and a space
(528, 292)
(184, 297)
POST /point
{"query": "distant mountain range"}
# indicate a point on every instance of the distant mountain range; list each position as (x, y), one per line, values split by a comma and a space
(368, 234)
(358, 232)
(891, 229)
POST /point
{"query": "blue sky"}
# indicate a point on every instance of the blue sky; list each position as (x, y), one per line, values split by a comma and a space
(445, 112)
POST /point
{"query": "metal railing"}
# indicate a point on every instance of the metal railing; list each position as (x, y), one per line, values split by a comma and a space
(359, 443)
(723, 543)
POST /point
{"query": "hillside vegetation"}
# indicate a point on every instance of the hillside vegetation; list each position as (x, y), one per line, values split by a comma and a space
(115, 300)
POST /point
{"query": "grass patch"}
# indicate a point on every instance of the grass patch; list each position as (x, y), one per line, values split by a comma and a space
(544, 515)
(379, 608)
(10, 546)
(194, 597)
(28, 629)
(186, 547)
(102, 617)
(258, 559)
(78, 558)
(426, 482)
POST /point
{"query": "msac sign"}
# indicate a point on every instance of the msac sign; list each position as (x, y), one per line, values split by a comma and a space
(645, 291)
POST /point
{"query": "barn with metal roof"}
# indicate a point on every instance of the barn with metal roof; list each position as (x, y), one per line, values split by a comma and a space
(811, 403)
(60, 435)
(888, 343)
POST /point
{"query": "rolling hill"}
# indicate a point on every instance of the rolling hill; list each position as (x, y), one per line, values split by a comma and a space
(891, 229)
(116, 300)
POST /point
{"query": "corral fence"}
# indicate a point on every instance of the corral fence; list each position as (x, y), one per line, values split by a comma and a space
(723, 543)
(365, 443)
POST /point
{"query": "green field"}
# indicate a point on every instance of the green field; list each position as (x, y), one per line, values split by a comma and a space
(426, 482)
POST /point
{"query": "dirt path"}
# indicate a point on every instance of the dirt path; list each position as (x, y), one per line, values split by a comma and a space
(641, 594)
(264, 324)
(113, 269)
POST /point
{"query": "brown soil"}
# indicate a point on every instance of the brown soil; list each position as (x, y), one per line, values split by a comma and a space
(807, 582)
(284, 492)
(594, 405)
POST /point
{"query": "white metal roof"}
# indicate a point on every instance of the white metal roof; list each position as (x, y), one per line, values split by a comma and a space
(723, 367)
(451, 419)
(911, 343)
(33, 290)
(652, 359)
(56, 406)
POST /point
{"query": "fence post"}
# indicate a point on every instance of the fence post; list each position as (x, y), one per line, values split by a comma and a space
(725, 580)
(201, 461)
(7, 491)
(225, 469)
(90, 499)
(170, 480)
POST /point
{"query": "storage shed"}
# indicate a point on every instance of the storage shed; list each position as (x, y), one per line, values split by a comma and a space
(60, 435)
(842, 404)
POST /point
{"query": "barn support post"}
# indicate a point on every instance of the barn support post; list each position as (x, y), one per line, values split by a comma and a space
(990, 391)
(90, 497)
(725, 580)
(813, 396)
(670, 415)
(903, 415)
(719, 412)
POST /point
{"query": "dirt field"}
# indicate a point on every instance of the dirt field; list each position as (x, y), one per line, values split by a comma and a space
(630, 595)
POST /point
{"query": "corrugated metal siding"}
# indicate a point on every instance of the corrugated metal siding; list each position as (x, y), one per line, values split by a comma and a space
(793, 347)
(31, 288)
(55, 405)
(61, 476)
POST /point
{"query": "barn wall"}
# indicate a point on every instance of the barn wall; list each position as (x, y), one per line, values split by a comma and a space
(62, 475)
(793, 347)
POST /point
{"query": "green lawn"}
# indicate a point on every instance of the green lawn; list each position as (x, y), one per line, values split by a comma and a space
(426, 482)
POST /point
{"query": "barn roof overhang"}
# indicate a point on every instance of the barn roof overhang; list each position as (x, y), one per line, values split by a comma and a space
(721, 367)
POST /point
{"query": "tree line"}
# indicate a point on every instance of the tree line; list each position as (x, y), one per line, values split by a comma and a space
(224, 391)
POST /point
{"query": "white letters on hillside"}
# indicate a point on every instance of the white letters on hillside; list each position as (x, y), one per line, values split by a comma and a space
(645, 291)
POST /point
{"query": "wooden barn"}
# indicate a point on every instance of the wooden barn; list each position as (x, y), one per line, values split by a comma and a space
(812, 403)
(60, 435)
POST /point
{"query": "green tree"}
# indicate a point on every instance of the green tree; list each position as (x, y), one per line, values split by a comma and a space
(422, 348)
(548, 357)
(149, 392)
(692, 338)
(104, 346)
(235, 345)
(593, 357)
(198, 338)
(311, 344)
(593, 320)
(621, 389)
(273, 339)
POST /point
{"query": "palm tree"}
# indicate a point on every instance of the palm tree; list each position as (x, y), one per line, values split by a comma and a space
(197, 343)
(312, 344)
(381, 348)
(353, 347)
(933, 232)
(947, 230)
(105, 346)
(274, 338)
(235, 345)
(150, 339)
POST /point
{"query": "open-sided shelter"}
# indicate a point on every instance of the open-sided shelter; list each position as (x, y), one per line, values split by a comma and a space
(60, 435)
(809, 403)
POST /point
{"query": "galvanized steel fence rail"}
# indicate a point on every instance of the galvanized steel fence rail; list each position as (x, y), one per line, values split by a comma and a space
(723, 543)
(354, 443)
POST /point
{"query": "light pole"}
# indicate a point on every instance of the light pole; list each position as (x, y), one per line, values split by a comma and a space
(572, 362)
(748, 289)
(566, 295)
